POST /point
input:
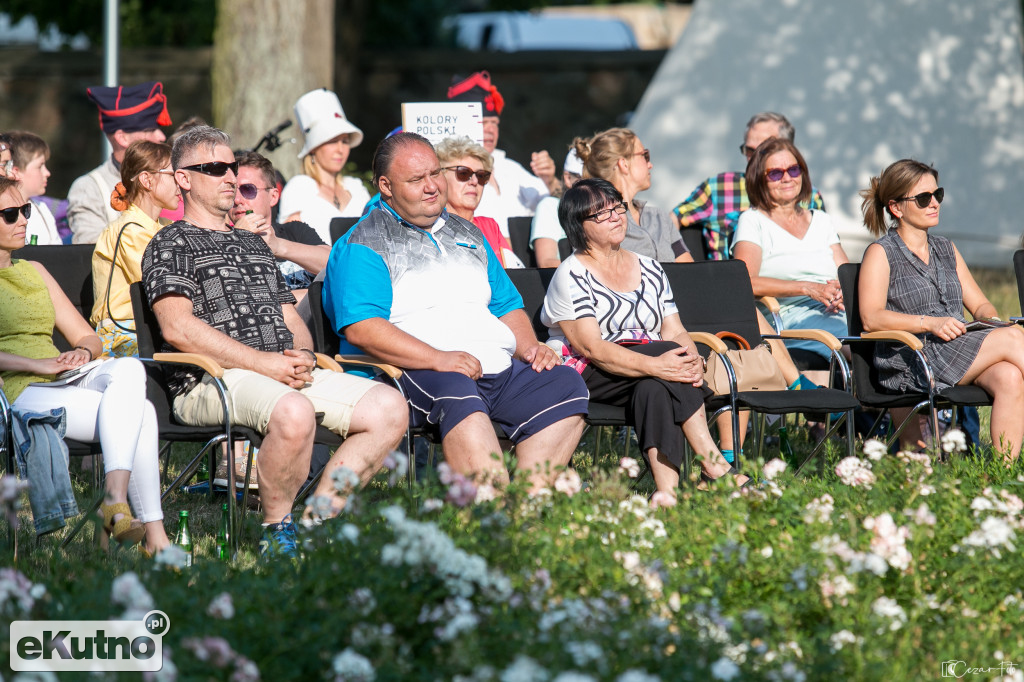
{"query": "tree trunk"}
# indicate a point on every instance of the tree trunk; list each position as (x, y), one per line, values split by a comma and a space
(266, 54)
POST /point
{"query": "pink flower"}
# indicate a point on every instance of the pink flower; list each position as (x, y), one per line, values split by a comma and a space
(629, 466)
(568, 482)
(855, 472)
(773, 468)
(462, 491)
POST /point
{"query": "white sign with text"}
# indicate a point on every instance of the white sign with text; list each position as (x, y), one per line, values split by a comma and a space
(437, 121)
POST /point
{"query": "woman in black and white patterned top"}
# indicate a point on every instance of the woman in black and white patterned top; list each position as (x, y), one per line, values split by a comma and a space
(612, 317)
(915, 281)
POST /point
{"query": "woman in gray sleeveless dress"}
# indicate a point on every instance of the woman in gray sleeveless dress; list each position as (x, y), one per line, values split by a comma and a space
(917, 282)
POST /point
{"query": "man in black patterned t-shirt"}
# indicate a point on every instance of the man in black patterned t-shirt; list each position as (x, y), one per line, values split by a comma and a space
(217, 290)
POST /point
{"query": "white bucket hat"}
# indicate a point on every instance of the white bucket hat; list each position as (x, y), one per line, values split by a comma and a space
(322, 119)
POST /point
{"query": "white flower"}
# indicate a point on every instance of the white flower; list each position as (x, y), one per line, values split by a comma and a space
(953, 441)
(773, 468)
(889, 540)
(221, 607)
(345, 480)
(922, 516)
(128, 591)
(875, 449)
(485, 493)
(888, 608)
(432, 504)
(993, 534)
(819, 510)
(348, 532)
(855, 472)
(351, 666)
(637, 676)
(524, 669)
(767, 551)
(629, 466)
(398, 464)
(568, 482)
(573, 676)
(320, 506)
(724, 669)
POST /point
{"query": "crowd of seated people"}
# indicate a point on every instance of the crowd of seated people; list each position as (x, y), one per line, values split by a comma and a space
(432, 246)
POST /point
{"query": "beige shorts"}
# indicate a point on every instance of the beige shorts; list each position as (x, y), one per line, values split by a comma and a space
(254, 396)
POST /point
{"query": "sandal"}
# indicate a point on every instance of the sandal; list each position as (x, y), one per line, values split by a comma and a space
(733, 471)
(127, 529)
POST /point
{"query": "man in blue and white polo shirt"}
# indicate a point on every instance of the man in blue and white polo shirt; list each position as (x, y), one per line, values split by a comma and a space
(419, 287)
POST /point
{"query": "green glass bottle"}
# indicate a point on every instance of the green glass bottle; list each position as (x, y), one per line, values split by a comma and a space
(223, 535)
(203, 474)
(33, 240)
(184, 537)
(785, 449)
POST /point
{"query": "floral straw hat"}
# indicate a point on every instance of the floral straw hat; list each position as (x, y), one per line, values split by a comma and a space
(322, 119)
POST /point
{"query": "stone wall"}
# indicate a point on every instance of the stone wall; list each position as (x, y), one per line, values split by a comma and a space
(550, 96)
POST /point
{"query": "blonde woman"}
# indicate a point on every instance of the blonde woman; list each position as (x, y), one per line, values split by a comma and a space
(147, 187)
(321, 193)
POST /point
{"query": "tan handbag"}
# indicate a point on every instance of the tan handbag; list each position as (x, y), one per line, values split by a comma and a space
(756, 369)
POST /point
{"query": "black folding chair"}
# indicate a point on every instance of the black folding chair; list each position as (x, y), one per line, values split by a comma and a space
(519, 229)
(71, 266)
(714, 296)
(866, 386)
(340, 227)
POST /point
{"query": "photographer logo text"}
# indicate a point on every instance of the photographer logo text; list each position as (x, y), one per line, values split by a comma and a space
(89, 645)
(960, 669)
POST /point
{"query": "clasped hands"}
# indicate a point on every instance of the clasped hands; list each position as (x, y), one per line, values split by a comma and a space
(292, 367)
(681, 366)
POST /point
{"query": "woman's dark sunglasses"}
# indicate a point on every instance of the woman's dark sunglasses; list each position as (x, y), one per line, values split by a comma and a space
(464, 173)
(606, 214)
(215, 168)
(11, 214)
(924, 199)
(775, 174)
(249, 190)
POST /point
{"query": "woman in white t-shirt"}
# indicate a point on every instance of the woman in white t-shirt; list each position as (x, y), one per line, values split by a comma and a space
(321, 193)
(792, 253)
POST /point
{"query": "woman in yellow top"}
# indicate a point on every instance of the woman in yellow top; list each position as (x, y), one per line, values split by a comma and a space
(147, 187)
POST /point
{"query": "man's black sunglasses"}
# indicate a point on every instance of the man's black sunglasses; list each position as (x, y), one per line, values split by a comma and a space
(215, 168)
(11, 214)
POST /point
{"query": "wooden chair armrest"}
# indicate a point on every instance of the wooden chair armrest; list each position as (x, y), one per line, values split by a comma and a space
(369, 361)
(819, 335)
(207, 364)
(771, 303)
(906, 338)
(327, 362)
(710, 340)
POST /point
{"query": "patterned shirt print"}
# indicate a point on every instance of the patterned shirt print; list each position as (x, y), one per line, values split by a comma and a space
(232, 279)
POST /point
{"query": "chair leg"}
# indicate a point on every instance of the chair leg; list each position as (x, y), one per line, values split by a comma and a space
(761, 433)
(845, 419)
(89, 515)
(192, 466)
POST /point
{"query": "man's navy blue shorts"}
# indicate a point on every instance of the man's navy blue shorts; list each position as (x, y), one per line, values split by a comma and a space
(523, 402)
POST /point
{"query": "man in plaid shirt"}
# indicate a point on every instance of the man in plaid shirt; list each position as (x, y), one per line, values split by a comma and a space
(715, 205)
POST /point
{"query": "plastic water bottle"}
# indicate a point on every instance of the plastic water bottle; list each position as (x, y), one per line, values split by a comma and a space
(223, 534)
(184, 538)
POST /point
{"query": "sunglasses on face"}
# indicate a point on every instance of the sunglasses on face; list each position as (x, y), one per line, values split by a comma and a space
(217, 169)
(249, 190)
(747, 150)
(645, 153)
(606, 214)
(11, 214)
(924, 199)
(464, 173)
(776, 174)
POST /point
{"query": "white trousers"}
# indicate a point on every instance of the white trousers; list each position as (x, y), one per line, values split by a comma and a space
(109, 405)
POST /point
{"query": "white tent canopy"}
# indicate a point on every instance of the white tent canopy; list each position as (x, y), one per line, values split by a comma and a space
(865, 82)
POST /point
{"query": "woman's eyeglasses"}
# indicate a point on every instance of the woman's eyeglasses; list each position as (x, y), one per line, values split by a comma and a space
(775, 174)
(249, 190)
(924, 199)
(464, 173)
(217, 169)
(645, 153)
(606, 214)
(11, 214)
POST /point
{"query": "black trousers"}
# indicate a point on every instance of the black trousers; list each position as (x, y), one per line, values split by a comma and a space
(655, 407)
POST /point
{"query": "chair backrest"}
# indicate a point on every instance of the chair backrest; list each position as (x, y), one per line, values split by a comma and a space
(693, 236)
(519, 237)
(1018, 270)
(532, 285)
(714, 296)
(147, 329)
(340, 226)
(71, 266)
(324, 339)
(862, 355)
(564, 249)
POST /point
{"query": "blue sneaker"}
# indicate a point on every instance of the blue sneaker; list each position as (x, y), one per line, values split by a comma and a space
(279, 540)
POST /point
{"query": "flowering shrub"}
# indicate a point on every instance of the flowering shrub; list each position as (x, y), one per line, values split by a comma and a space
(884, 570)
